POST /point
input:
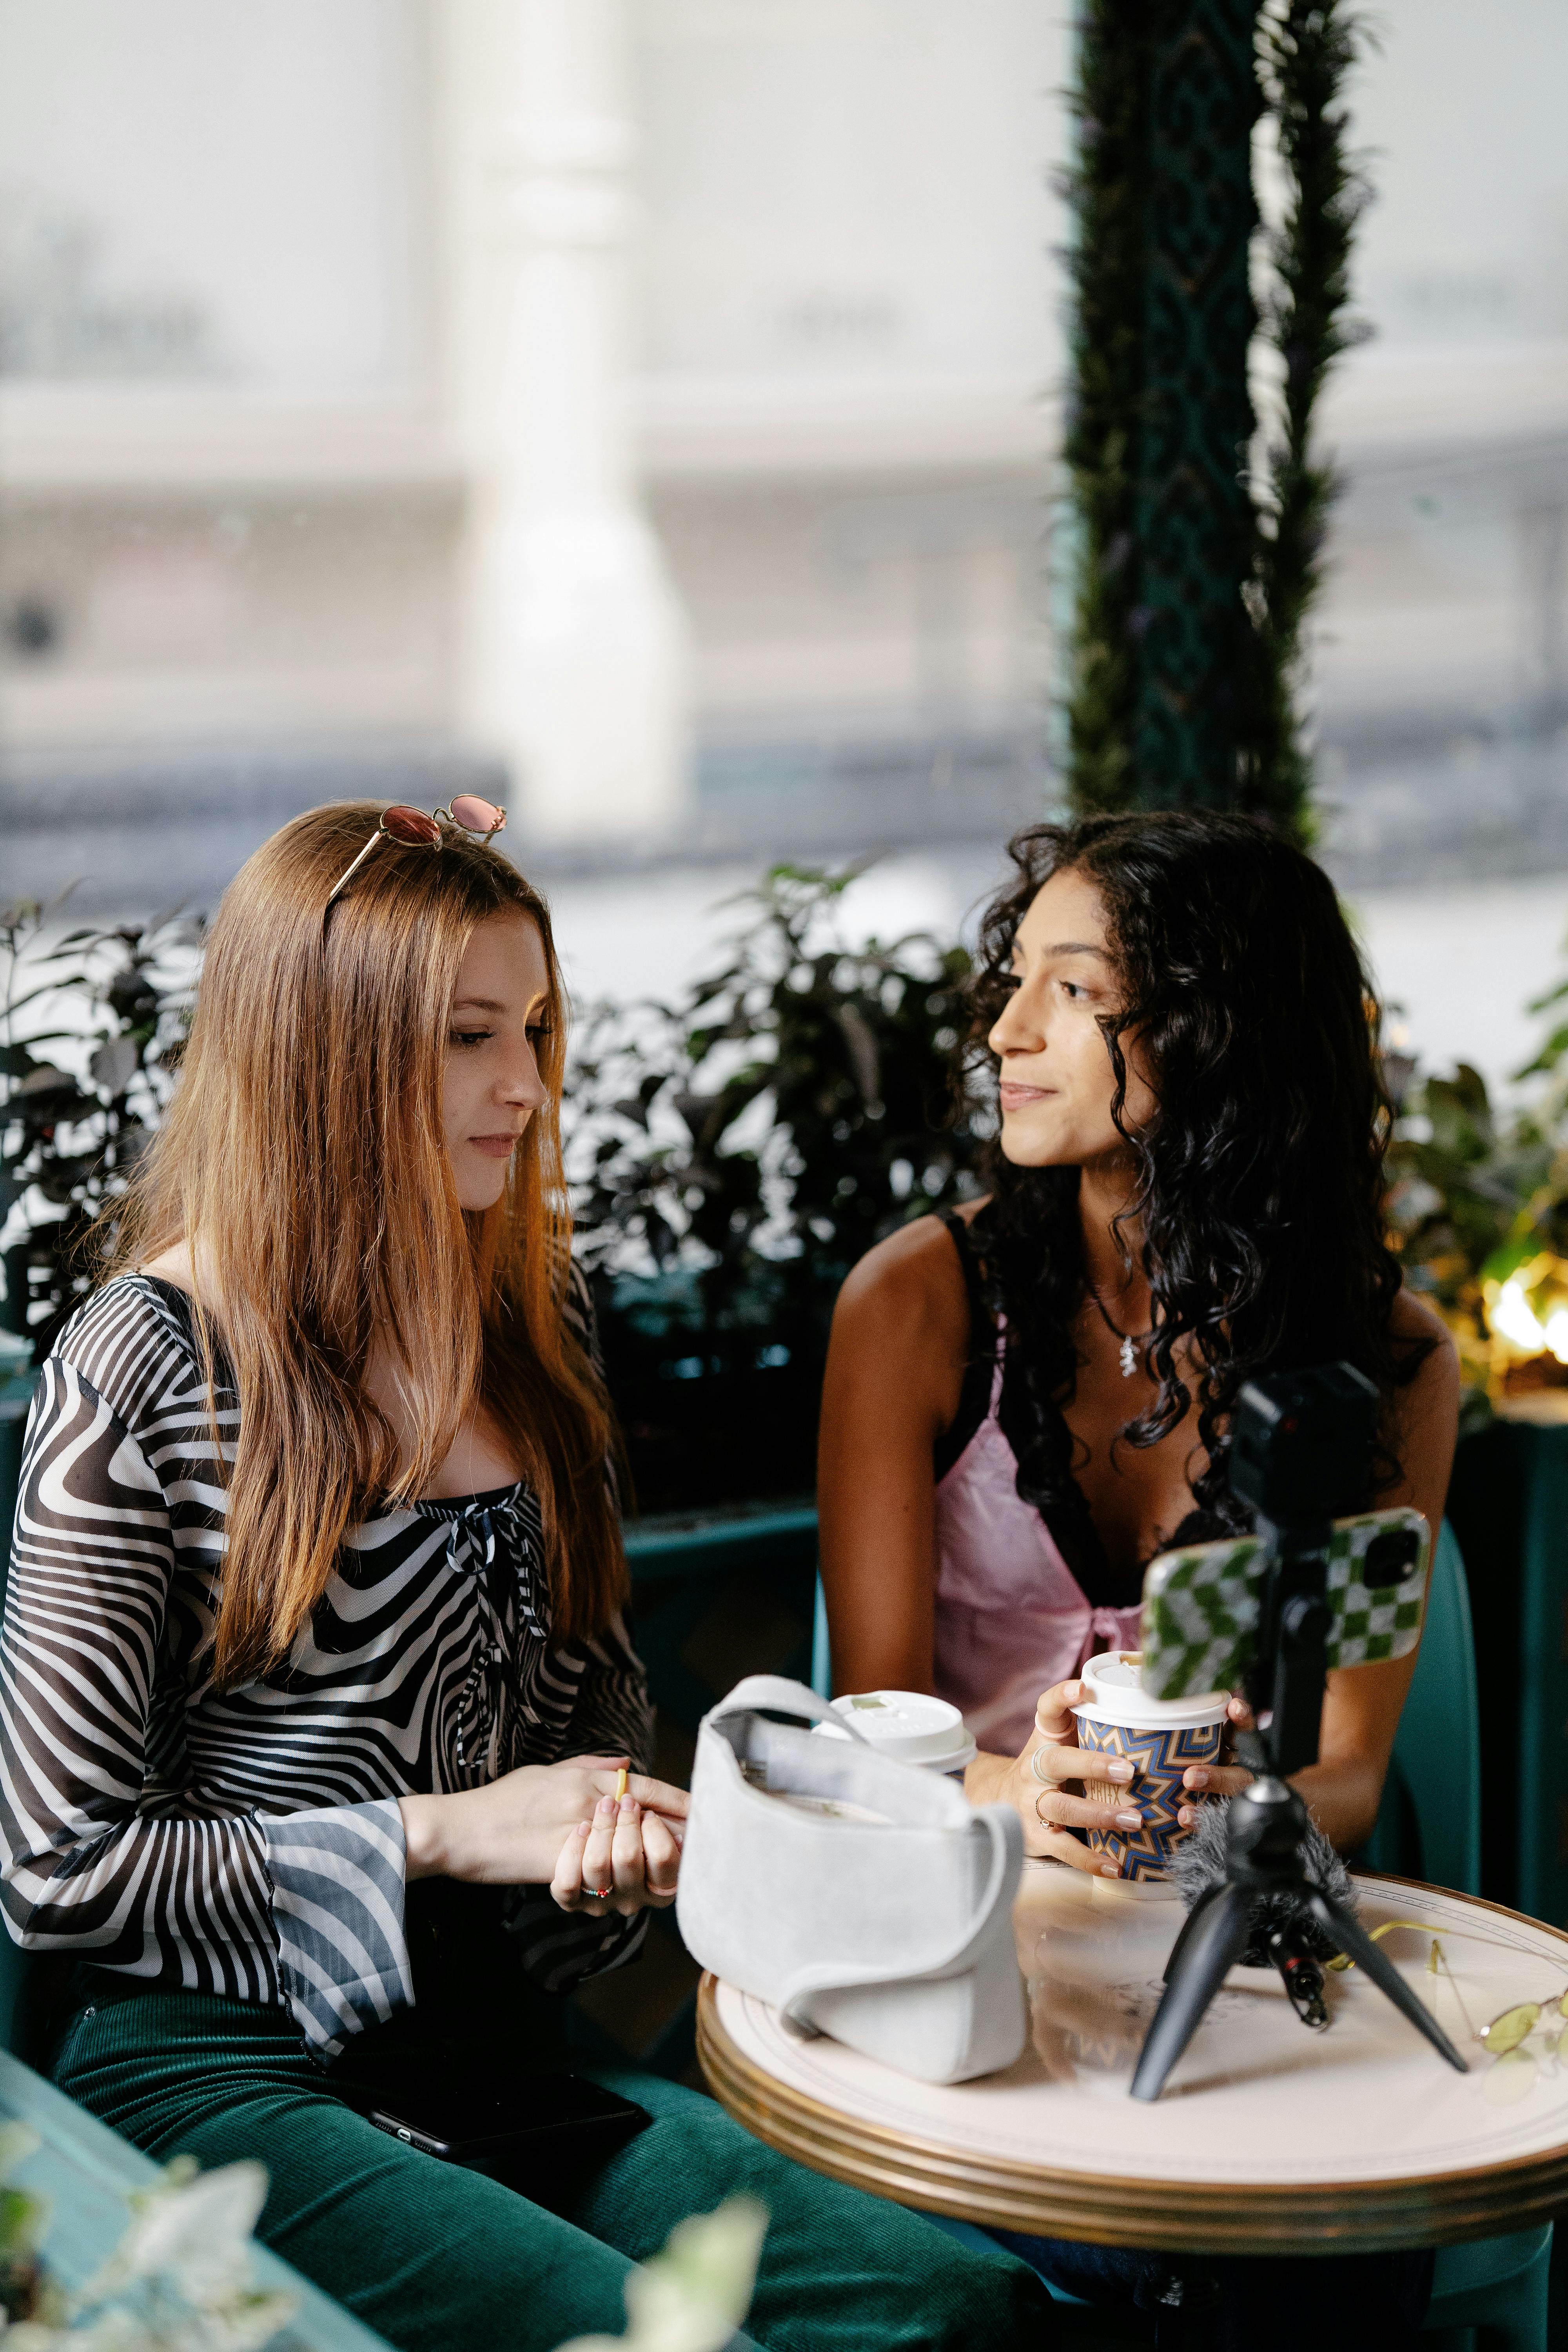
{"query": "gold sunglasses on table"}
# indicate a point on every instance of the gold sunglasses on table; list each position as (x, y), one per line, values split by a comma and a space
(1515, 2025)
(1511, 2027)
(411, 829)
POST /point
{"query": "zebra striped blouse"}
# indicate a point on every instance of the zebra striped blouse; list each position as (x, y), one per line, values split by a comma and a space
(249, 1841)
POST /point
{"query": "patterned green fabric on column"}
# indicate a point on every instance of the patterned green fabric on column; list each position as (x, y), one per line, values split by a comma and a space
(1192, 515)
(1165, 97)
(1191, 548)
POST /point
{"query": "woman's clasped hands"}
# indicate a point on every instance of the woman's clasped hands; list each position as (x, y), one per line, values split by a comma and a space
(1046, 1785)
(560, 1825)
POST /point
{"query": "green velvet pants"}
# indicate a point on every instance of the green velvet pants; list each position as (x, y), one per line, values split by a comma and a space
(437, 2259)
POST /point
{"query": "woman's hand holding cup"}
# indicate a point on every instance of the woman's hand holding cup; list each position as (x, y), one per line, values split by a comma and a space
(1046, 1785)
(1203, 1780)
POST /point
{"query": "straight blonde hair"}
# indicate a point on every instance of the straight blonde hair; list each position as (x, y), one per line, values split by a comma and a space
(303, 1165)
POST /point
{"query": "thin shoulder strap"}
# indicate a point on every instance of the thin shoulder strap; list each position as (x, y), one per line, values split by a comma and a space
(969, 1263)
(982, 1391)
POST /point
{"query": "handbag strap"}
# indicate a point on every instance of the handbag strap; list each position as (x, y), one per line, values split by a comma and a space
(1007, 1837)
(782, 1696)
(778, 1693)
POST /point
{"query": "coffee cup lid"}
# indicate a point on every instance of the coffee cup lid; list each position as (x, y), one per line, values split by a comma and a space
(1116, 1694)
(910, 1726)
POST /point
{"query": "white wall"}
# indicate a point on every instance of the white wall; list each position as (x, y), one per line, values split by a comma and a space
(1463, 116)
(261, 162)
(832, 185)
(851, 185)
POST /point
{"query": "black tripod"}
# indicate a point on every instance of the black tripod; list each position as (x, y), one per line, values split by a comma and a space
(1268, 1822)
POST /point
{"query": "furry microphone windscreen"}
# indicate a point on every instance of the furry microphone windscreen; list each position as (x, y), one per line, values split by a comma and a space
(1199, 1862)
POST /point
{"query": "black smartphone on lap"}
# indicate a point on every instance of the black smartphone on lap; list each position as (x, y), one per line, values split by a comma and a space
(546, 2117)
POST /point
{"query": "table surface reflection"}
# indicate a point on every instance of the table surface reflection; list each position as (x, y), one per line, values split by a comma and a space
(1268, 2138)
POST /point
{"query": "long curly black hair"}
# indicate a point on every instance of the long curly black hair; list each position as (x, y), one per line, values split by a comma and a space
(1257, 1207)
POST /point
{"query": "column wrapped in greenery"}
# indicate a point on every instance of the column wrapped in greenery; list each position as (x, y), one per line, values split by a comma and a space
(1192, 570)
(1305, 54)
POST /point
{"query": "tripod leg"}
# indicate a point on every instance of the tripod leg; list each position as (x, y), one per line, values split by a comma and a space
(1184, 1933)
(1352, 1938)
(1216, 1934)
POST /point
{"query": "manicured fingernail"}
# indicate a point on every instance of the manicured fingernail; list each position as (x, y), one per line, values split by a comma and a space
(605, 1807)
(1128, 1821)
(628, 1809)
(1109, 1870)
(1197, 1779)
(1118, 1771)
(1186, 1817)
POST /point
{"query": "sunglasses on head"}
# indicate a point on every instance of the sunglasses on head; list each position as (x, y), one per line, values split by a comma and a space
(413, 829)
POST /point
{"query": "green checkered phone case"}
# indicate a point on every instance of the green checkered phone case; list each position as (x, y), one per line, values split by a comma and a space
(1200, 1606)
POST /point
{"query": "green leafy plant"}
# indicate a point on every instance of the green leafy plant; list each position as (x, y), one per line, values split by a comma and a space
(180, 2279)
(693, 2296)
(1306, 50)
(735, 1154)
(1478, 1207)
(114, 1004)
(26, 2291)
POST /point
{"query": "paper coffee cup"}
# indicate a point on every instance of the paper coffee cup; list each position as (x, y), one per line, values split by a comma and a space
(1160, 1738)
(911, 1726)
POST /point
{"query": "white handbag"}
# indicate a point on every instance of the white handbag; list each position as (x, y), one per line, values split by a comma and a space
(892, 1933)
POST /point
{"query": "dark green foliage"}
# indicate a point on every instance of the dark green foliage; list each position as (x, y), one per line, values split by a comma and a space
(1108, 189)
(1190, 588)
(1476, 1199)
(1306, 51)
(68, 1143)
(734, 1155)
(1455, 1185)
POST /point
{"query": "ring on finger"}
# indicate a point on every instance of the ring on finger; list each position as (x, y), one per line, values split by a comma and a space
(1035, 1769)
(599, 1894)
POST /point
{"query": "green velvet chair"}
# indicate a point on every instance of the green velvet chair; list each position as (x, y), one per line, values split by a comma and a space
(1490, 2293)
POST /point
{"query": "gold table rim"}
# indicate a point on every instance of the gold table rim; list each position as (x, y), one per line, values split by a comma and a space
(1125, 2209)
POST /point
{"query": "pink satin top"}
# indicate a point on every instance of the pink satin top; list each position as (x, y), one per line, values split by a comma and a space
(1011, 1617)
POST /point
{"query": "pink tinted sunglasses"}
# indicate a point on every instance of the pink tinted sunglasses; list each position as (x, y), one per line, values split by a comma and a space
(415, 830)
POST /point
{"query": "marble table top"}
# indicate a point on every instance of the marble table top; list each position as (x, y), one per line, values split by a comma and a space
(1268, 2138)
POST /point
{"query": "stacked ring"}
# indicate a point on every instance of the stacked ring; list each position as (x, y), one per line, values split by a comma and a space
(599, 1894)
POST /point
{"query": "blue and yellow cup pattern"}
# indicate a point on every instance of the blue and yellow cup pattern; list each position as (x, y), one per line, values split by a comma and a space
(1159, 1760)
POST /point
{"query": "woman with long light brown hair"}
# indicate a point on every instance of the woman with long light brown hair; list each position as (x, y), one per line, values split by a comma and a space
(315, 1685)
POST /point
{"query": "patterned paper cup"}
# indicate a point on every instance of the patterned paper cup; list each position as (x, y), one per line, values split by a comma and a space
(1160, 1738)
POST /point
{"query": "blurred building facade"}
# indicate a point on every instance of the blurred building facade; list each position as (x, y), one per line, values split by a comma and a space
(652, 402)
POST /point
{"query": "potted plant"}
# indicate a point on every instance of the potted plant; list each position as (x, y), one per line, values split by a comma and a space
(733, 1155)
(91, 1026)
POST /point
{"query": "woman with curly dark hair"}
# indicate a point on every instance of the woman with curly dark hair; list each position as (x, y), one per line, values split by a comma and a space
(1028, 1400)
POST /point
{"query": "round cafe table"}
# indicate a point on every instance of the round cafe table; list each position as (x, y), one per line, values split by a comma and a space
(1268, 2138)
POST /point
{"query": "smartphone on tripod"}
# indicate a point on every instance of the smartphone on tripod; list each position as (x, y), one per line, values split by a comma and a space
(1273, 1613)
(1202, 1604)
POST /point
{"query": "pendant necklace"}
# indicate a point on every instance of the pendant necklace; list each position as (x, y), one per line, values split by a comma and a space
(1129, 1350)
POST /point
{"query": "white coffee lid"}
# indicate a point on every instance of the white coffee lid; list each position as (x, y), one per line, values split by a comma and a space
(1115, 1684)
(910, 1726)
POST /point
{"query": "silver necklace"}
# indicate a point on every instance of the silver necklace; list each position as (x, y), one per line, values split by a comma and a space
(1129, 1350)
